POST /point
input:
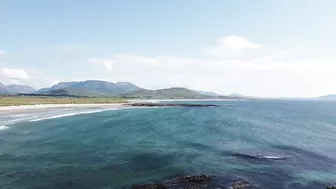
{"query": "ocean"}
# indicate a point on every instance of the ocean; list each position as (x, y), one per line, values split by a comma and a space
(273, 144)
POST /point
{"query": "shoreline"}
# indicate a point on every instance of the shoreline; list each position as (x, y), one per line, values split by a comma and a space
(180, 100)
(99, 105)
(10, 115)
(43, 106)
(40, 108)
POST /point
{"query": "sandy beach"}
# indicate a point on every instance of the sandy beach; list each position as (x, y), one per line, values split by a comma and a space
(14, 114)
(43, 106)
(13, 110)
(46, 107)
(10, 115)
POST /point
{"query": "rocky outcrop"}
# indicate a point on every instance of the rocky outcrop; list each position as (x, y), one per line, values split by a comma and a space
(239, 185)
(170, 105)
(198, 179)
(331, 187)
(149, 186)
(195, 182)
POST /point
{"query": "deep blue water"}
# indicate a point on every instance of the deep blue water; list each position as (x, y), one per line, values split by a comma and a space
(272, 144)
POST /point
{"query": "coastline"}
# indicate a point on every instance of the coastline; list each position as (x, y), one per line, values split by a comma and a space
(43, 106)
(180, 100)
(40, 108)
(9, 112)
(98, 105)
(10, 115)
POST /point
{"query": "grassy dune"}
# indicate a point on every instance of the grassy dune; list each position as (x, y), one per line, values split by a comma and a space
(24, 100)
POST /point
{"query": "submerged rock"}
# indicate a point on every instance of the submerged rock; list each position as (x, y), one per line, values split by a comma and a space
(196, 182)
(149, 186)
(239, 185)
(199, 179)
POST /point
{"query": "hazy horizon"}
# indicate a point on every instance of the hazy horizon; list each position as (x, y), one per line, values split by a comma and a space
(275, 48)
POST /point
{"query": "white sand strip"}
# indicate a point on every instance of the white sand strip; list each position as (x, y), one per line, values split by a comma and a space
(44, 106)
(32, 109)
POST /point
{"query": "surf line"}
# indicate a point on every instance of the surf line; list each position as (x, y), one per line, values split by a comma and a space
(67, 115)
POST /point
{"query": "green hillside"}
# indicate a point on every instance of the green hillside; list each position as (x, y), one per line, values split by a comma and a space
(170, 93)
(76, 92)
(89, 88)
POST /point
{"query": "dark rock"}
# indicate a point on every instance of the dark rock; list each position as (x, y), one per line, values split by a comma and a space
(149, 186)
(331, 187)
(197, 182)
(198, 179)
(239, 185)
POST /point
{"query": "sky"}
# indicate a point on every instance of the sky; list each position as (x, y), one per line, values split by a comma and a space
(278, 48)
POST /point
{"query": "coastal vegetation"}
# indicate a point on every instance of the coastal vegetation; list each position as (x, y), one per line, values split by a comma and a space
(33, 100)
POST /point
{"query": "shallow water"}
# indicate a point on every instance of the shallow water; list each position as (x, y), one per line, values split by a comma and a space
(272, 144)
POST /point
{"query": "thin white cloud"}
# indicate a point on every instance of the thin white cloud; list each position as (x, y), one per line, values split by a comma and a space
(236, 65)
(158, 65)
(1, 54)
(232, 45)
(13, 74)
(261, 76)
(108, 65)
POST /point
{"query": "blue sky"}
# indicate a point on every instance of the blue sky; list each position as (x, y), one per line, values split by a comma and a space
(261, 48)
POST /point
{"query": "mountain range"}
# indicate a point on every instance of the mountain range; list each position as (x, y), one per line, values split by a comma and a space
(90, 88)
(95, 88)
(15, 89)
(175, 92)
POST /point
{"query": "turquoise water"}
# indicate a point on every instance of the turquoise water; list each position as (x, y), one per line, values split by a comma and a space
(273, 144)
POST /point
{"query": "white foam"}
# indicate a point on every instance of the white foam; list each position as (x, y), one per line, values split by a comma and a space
(18, 120)
(3, 127)
(19, 115)
(13, 121)
(274, 157)
(68, 115)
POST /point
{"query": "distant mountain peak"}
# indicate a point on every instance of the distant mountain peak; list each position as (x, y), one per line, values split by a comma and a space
(15, 89)
(327, 97)
(208, 93)
(173, 92)
(236, 95)
(92, 88)
(124, 83)
(122, 89)
(3, 89)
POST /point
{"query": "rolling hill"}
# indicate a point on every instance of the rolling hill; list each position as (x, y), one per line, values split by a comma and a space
(208, 93)
(15, 89)
(96, 88)
(90, 88)
(55, 87)
(236, 95)
(3, 89)
(175, 93)
(327, 97)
